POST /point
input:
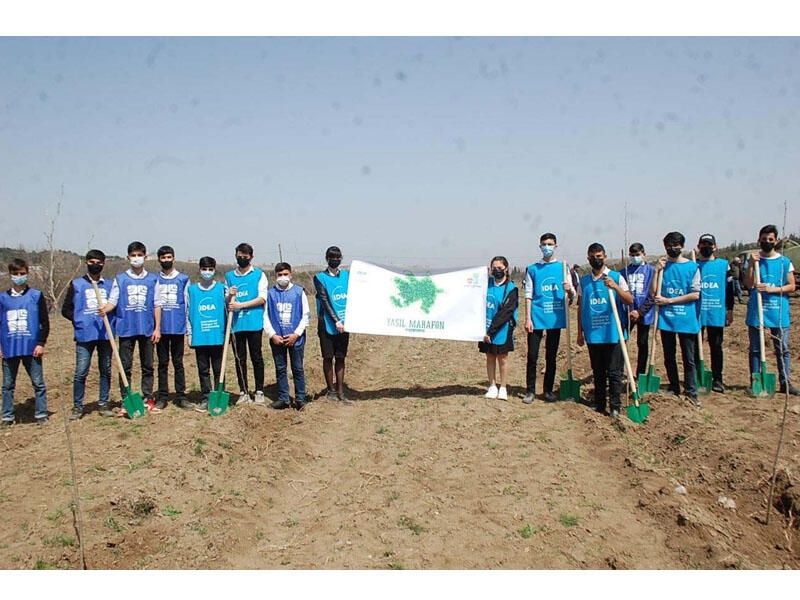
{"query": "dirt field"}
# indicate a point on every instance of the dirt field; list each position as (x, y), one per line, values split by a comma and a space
(421, 472)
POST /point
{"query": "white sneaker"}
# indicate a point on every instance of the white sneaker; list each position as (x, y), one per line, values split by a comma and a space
(502, 394)
(244, 398)
(491, 392)
(259, 397)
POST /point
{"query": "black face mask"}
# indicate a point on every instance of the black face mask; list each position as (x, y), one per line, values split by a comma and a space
(498, 273)
(706, 251)
(94, 268)
(242, 262)
(334, 263)
(673, 252)
(166, 265)
(767, 247)
(596, 263)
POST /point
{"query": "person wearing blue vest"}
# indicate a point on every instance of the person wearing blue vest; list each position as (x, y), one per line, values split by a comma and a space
(285, 322)
(598, 330)
(679, 315)
(170, 289)
(716, 304)
(545, 292)
(24, 327)
(330, 286)
(777, 282)
(82, 309)
(205, 326)
(502, 299)
(247, 295)
(639, 276)
(138, 320)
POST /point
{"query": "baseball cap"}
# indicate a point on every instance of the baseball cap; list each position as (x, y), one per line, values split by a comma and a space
(707, 237)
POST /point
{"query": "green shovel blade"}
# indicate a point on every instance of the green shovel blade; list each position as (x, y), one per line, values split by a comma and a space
(133, 403)
(763, 384)
(570, 388)
(704, 379)
(218, 402)
(639, 411)
(650, 383)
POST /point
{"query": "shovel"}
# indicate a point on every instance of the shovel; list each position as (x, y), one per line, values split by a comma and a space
(650, 383)
(637, 412)
(570, 389)
(133, 402)
(763, 384)
(218, 399)
(704, 376)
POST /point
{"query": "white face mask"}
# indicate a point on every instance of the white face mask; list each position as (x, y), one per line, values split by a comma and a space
(207, 275)
(136, 261)
(283, 281)
(637, 260)
(547, 250)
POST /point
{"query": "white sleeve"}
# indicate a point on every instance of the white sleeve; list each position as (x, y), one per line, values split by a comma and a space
(263, 286)
(268, 328)
(528, 285)
(306, 315)
(113, 296)
(188, 322)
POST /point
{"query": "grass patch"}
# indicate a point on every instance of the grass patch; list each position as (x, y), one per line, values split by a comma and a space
(226, 445)
(59, 514)
(60, 540)
(145, 462)
(290, 522)
(415, 528)
(568, 520)
(171, 511)
(199, 445)
(112, 524)
(492, 445)
(403, 453)
(381, 430)
(198, 527)
(43, 565)
(526, 531)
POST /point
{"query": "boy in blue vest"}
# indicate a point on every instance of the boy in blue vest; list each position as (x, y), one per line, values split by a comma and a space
(24, 327)
(598, 329)
(679, 314)
(716, 304)
(285, 322)
(81, 308)
(777, 282)
(138, 320)
(247, 295)
(205, 326)
(640, 277)
(331, 288)
(170, 289)
(545, 292)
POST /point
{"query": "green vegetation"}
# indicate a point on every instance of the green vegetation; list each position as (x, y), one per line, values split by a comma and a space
(415, 528)
(112, 524)
(199, 444)
(568, 520)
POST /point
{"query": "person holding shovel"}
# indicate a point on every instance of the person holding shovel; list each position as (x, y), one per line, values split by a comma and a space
(502, 298)
(777, 276)
(716, 304)
(597, 329)
(640, 277)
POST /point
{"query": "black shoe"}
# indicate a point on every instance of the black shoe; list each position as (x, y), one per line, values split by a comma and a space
(343, 399)
(76, 413)
(298, 406)
(550, 397)
(185, 404)
(528, 399)
(105, 410)
(161, 404)
(279, 405)
(600, 409)
(694, 401)
(793, 391)
(202, 407)
(5, 424)
(331, 395)
(717, 386)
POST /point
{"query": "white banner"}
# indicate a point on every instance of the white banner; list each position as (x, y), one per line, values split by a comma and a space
(446, 306)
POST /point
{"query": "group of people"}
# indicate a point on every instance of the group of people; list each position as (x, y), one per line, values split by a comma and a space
(685, 297)
(160, 313)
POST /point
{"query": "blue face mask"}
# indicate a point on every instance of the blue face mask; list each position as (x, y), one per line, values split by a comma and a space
(637, 260)
(19, 279)
(207, 275)
(547, 250)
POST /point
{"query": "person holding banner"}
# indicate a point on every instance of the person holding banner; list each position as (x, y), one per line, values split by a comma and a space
(545, 290)
(502, 298)
(331, 288)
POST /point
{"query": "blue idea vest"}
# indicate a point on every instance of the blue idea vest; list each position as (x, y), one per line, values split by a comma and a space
(639, 278)
(89, 326)
(774, 271)
(495, 296)
(285, 310)
(677, 281)
(712, 294)
(19, 320)
(247, 319)
(136, 309)
(597, 318)
(207, 315)
(547, 305)
(173, 309)
(337, 294)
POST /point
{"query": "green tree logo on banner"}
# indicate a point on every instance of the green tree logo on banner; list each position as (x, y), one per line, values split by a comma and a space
(415, 289)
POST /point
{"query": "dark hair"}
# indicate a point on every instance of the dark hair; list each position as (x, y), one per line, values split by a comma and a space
(674, 238)
(501, 259)
(636, 247)
(165, 250)
(136, 247)
(767, 229)
(333, 252)
(245, 248)
(548, 236)
(207, 261)
(17, 264)
(96, 255)
(596, 247)
(283, 266)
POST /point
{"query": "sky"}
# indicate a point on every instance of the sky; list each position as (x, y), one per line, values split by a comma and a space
(429, 151)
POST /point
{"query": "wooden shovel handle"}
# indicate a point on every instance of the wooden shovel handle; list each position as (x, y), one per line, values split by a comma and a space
(111, 340)
(566, 314)
(229, 320)
(612, 298)
(651, 360)
(699, 333)
(762, 349)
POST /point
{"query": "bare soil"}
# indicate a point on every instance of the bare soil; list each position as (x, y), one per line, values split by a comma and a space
(420, 472)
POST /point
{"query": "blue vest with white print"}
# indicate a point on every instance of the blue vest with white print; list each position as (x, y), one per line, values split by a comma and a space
(712, 292)
(495, 296)
(547, 303)
(136, 309)
(247, 319)
(336, 286)
(773, 271)
(639, 278)
(19, 323)
(89, 326)
(207, 315)
(285, 310)
(597, 317)
(173, 307)
(676, 282)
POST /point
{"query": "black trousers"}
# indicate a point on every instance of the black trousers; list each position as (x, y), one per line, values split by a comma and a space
(208, 356)
(607, 362)
(714, 337)
(242, 341)
(688, 348)
(550, 352)
(170, 345)
(126, 345)
(642, 347)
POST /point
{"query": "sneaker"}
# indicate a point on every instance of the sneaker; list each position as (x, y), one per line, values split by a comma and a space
(76, 413)
(122, 412)
(343, 399)
(793, 391)
(717, 386)
(331, 395)
(105, 410)
(259, 399)
(615, 414)
(151, 406)
(184, 404)
(279, 404)
(694, 401)
(160, 404)
(491, 392)
(550, 397)
(298, 406)
(528, 399)
(5, 424)
(202, 407)
(41, 421)
(244, 398)
(502, 394)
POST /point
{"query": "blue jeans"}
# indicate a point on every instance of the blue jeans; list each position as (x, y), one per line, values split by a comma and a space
(34, 368)
(295, 354)
(83, 360)
(780, 343)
